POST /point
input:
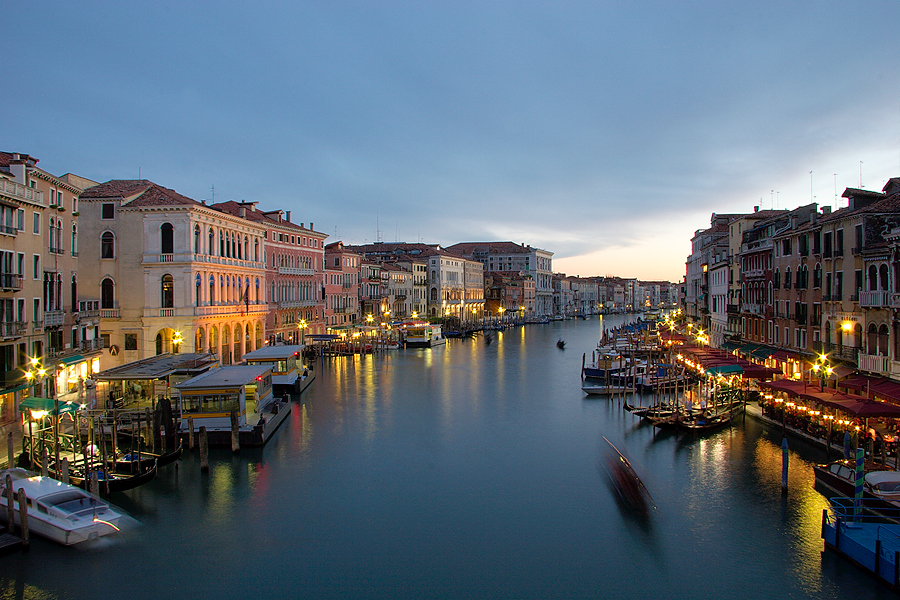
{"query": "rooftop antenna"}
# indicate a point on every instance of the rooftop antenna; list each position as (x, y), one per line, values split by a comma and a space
(139, 172)
(213, 190)
(835, 192)
(860, 174)
(772, 198)
(810, 187)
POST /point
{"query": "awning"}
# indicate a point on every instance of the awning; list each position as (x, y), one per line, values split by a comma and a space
(47, 404)
(747, 349)
(322, 336)
(730, 346)
(887, 389)
(16, 389)
(725, 370)
(762, 352)
(70, 359)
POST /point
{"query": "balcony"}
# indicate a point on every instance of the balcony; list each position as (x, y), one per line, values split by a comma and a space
(54, 318)
(155, 259)
(10, 282)
(874, 363)
(8, 230)
(109, 313)
(11, 188)
(228, 309)
(875, 299)
(12, 329)
(295, 271)
(91, 345)
(754, 273)
(756, 309)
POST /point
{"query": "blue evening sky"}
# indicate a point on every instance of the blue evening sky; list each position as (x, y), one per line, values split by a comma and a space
(605, 132)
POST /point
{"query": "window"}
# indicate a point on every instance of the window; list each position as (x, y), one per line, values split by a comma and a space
(167, 292)
(131, 341)
(36, 264)
(167, 242)
(107, 211)
(107, 293)
(36, 223)
(37, 310)
(105, 338)
(74, 239)
(107, 245)
(20, 219)
(196, 239)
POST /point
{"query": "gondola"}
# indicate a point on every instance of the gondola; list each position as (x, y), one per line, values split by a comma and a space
(126, 463)
(702, 423)
(625, 481)
(113, 482)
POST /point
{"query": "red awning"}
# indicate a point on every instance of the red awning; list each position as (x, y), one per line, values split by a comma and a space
(887, 389)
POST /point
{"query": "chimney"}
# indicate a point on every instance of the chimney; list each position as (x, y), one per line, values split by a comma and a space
(826, 210)
(311, 226)
(243, 212)
(756, 209)
(288, 216)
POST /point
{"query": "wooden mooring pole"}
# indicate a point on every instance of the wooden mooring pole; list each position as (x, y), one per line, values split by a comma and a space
(10, 451)
(204, 450)
(235, 433)
(10, 505)
(190, 433)
(23, 517)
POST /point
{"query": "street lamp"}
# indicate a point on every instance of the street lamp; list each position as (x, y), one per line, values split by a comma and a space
(822, 368)
(302, 327)
(176, 341)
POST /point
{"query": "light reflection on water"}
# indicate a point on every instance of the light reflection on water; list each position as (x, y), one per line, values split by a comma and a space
(467, 470)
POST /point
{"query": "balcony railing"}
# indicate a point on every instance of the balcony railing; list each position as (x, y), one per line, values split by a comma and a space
(13, 329)
(54, 318)
(874, 363)
(874, 299)
(109, 313)
(11, 188)
(10, 281)
(8, 230)
(227, 309)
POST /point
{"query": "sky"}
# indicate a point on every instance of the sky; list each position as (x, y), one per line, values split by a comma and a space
(604, 132)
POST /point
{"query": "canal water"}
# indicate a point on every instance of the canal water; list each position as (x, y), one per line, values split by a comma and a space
(469, 470)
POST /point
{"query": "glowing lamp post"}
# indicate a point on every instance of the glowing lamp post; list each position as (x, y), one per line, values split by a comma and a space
(822, 368)
(302, 327)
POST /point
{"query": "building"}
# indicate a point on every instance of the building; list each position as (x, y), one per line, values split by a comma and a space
(171, 274)
(341, 287)
(509, 256)
(294, 256)
(41, 316)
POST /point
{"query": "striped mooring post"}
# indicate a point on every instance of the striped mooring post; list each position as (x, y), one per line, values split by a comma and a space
(860, 478)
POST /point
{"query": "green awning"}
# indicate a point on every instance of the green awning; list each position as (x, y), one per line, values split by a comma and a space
(18, 388)
(71, 359)
(730, 346)
(762, 353)
(47, 404)
(725, 370)
(747, 349)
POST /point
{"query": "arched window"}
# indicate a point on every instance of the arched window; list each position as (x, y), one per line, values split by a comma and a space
(74, 293)
(196, 239)
(872, 339)
(211, 243)
(246, 247)
(159, 344)
(883, 340)
(873, 278)
(817, 276)
(883, 277)
(198, 284)
(107, 245)
(212, 290)
(167, 238)
(256, 250)
(107, 293)
(257, 290)
(51, 235)
(74, 239)
(221, 243)
(198, 343)
(167, 292)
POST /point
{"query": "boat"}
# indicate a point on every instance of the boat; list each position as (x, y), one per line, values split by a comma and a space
(881, 486)
(60, 511)
(603, 389)
(603, 367)
(111, 481)
(424, 336)
(625, 481)
(707, 422)
(127, 462)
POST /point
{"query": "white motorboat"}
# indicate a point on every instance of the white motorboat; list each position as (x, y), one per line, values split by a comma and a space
(59, 511)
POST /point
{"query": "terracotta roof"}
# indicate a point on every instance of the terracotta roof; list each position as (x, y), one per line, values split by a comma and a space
(117, 188)
(490, 248)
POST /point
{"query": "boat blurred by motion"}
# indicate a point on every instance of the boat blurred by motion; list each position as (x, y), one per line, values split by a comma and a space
(631, 491)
